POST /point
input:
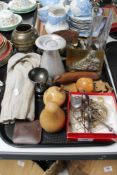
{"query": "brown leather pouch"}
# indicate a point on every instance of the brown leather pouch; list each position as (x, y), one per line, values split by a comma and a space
(27, 132)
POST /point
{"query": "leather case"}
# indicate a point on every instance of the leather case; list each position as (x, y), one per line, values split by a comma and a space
(26, 132)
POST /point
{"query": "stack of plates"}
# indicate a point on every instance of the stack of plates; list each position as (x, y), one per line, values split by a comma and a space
(5, 50)
(20, 8)
(80, 24)
(8, 20)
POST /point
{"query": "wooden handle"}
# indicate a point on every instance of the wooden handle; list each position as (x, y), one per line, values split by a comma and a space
(69, 77)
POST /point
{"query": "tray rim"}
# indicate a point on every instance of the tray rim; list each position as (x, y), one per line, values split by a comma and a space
(35, 20)
(71, 144)
(75, 144)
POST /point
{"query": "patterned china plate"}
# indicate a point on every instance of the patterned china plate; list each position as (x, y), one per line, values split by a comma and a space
(80, 19)
(32, 6)
(12, 26)
(3, 6)
(25, 11)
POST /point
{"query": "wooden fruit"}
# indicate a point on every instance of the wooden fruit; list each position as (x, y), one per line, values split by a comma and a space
(52, 118)
(54, 94)
(85, 85)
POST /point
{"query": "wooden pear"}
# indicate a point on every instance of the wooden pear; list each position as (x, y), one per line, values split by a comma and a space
(52, 118)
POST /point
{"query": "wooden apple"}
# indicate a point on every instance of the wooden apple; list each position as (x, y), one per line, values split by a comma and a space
(52, 118)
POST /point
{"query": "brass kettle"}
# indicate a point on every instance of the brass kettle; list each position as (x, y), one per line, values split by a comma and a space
(23, 37)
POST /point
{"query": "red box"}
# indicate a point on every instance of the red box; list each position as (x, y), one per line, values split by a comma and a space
(101, 136)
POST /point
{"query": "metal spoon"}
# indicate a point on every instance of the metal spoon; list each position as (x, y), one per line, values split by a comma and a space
(76, 101)
(87, 107)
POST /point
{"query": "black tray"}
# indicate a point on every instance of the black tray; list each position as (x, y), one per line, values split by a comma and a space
(58, 139)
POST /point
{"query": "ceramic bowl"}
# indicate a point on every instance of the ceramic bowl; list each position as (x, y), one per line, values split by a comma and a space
(20, 3)
(22, 6)
(56, 15)
(8, 20)
(57, 20)
(3, 6)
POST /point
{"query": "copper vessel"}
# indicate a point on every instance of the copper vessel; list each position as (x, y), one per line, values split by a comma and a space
(23, 37)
